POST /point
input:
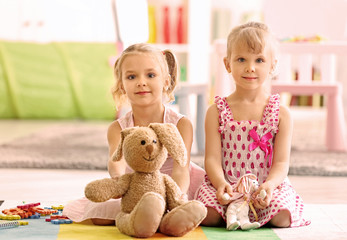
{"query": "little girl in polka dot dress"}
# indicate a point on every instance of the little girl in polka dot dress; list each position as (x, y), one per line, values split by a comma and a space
(249, 132)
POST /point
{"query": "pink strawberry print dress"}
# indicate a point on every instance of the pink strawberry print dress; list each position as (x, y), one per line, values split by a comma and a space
(247, 147)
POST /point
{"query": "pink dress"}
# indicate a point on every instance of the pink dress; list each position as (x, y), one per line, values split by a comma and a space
(82, 209)
(247, 147)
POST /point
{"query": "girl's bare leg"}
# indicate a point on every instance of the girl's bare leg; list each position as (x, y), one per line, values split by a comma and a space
(213, 218)
(281, 220)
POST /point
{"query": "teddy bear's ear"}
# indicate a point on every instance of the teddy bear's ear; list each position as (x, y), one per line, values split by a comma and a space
(170, 137)
(117, 155)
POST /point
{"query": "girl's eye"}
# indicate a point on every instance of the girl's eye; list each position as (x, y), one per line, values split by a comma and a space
(131, 77)
(240, 59)
(151, 75)
(260, 60)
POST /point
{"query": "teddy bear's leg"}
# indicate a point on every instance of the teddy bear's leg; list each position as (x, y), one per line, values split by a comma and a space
(231, 217)
(183, 218)
(145, 218)
(244, 219)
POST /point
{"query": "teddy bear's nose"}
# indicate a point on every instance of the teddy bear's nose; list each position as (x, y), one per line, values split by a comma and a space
(149, 149)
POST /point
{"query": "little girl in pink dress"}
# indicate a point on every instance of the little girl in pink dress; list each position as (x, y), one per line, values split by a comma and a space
(249, 132)
(144, 76)
(247, 147)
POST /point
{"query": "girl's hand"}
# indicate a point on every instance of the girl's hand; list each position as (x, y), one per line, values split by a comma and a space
(221, 190)
(260, 203)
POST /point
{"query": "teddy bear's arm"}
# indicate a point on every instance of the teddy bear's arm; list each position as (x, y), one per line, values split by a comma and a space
(105, 189)
(174, 195)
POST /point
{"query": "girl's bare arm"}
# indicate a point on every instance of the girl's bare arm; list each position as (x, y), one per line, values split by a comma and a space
(181, 174)
(213, 154)
(115, 169)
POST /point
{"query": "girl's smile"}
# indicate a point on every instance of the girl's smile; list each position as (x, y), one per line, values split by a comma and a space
(250, 78)
(143, 92)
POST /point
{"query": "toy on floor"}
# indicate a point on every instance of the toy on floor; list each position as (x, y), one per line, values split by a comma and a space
(23, 223)
(11, 221)
(4, 224)
(151, 200)
(29, 205)
(29, 211)
(59, 220)
(237, 211)
(59, 207)
(9, 217)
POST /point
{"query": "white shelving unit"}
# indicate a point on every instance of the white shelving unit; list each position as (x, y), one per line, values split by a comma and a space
(197, 48)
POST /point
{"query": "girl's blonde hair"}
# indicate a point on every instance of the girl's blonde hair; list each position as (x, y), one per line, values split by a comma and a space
(255, 36)
(166, 59)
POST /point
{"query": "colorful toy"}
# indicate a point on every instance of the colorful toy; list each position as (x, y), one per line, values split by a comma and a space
(43, 211)
(12, 223)
(8, 224)
(59, 207)
(59, 220)
(29, 211)
(22, 223)
(28, 206)
(151, 200)
(237, 211)
(9, 217)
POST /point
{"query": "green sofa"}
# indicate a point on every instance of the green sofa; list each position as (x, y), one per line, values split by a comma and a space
(62, 80)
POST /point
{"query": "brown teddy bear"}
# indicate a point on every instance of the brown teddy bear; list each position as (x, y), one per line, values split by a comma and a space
(151, 200)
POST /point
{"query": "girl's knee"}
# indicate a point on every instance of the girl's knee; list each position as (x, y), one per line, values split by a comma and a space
(213, 218)
(281, 220)
(102, 222)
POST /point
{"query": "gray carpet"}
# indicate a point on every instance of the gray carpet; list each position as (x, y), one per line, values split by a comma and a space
(65, 146)
(84, 146)
(309, 155)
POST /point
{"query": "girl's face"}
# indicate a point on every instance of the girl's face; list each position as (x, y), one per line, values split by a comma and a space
(142, 79)
(249, 70)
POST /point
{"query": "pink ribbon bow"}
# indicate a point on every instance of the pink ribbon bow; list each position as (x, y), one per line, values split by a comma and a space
(263, 143)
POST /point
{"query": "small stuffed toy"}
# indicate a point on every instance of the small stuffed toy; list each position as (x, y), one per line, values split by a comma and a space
(151, 200)
(237, 211)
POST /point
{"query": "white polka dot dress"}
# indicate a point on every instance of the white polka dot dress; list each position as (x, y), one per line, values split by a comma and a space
(247, 147)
